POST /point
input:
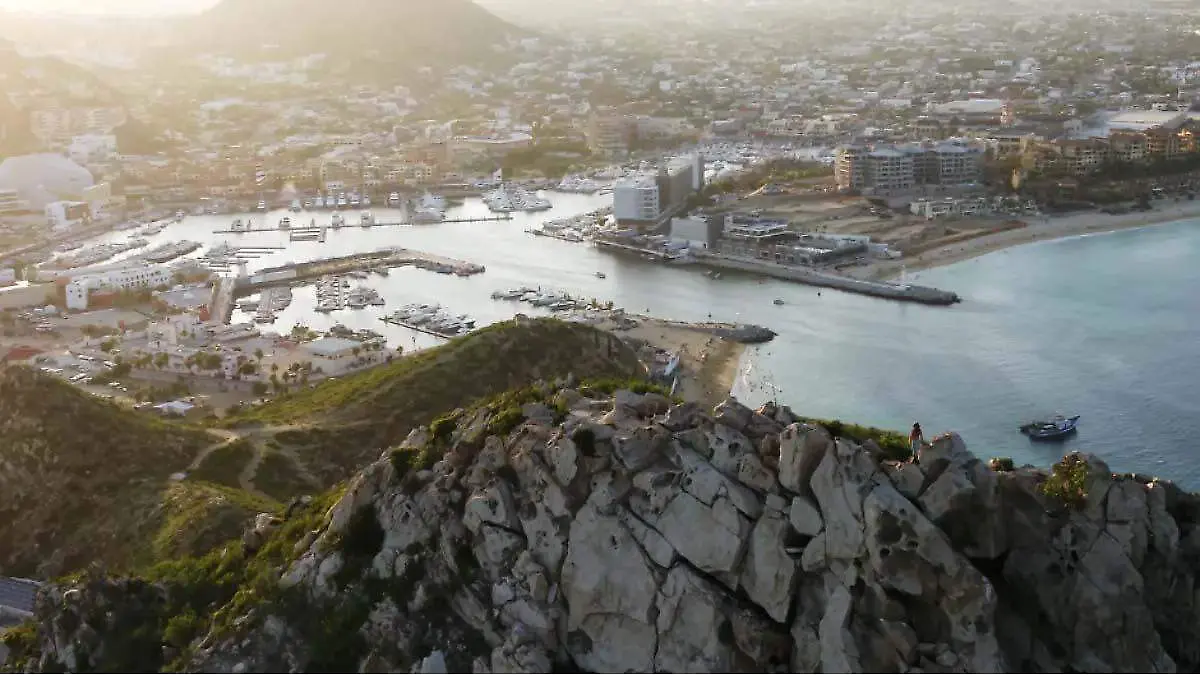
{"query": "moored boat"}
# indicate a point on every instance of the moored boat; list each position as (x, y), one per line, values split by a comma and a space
(1056, 428)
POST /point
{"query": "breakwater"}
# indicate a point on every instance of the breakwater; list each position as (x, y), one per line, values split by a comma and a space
(880, 289)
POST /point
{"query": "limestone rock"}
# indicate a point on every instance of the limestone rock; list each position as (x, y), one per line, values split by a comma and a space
(769, 573)
(801, 449)
(804, 517)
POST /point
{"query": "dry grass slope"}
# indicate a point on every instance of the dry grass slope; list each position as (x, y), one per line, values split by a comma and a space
(81, 480)
(345, 423)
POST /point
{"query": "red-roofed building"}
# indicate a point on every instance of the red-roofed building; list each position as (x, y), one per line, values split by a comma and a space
(18, 354)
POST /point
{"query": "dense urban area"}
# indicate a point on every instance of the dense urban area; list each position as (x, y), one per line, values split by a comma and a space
(823, 144)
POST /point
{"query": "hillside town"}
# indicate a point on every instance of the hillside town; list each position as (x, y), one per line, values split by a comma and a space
(908, 140)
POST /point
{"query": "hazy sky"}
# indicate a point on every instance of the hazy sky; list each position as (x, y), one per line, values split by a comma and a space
(107, 6)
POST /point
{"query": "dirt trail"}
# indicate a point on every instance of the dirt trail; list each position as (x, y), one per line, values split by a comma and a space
(230, 438)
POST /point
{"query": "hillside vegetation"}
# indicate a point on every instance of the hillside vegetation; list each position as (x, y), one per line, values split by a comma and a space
(81, 480)
(344, 423)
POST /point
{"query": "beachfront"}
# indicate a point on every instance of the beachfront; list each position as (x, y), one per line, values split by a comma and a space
(1036, 229)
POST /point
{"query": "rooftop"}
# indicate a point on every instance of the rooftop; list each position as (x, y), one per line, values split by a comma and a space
(17, 594)
(1141, 120)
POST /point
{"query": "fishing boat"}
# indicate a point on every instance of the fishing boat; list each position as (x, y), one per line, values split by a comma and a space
(1056, 428)
(778, 301)
(601, 275)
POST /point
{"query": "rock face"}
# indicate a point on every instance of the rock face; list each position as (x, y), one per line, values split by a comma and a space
(637, 536)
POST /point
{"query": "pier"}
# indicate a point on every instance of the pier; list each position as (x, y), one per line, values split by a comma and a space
(381, 258)
(420, 329)
(649, 254)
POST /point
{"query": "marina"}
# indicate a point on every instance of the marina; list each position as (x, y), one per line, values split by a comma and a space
(555, 301)
(430, 319)
(334, 293)
(238, 226)
(272, 301)
(170, 251)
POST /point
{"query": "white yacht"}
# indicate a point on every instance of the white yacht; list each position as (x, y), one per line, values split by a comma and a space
(366, 200)
(354, 200)
(285, 223)
(338, 221)
(341, 201)
(238, 225)
(393, 199)
(295, 206)
(366, 219)
(262, 205)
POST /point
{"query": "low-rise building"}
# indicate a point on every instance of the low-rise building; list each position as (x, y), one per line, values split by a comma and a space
(79, 288)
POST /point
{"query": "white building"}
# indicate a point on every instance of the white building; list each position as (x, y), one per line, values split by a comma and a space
(11, 202)
(636, 199)
(693, 232)
(130, 278)
(67, 215)
(90, 148)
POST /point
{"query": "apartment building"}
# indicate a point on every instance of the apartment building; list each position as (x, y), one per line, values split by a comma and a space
(636, 199)
(610, 133)
(897, 168)
(850, 168)
(890, 170)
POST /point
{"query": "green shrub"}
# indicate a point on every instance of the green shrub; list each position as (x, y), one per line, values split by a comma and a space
(505, 421)
(22, 644)
(442, 427)
(895, 445)
(1067, 482)
(1001, 464)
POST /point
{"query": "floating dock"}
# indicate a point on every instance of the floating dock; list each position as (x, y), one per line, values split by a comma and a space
(378, 223)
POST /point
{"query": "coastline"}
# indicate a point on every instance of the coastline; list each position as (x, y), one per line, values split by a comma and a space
(1039, 229)
(708, 365)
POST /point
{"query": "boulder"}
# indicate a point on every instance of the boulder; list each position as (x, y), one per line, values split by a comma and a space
(908, 478)
(713, 538)
(801, 449)
(683, 416)
(639, 448)
(690, 623)
(609, 586)
(804, 517)
(769, 573)
(733, 414)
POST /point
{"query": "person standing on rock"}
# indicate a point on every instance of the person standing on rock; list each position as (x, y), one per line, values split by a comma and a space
(916, 438)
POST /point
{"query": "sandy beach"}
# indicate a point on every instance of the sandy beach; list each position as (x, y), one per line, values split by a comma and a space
(708, 364)
(1036, 229)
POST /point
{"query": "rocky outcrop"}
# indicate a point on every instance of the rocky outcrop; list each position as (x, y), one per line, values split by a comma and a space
(640, 536)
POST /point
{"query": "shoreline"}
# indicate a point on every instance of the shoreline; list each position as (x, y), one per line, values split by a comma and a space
(1046, 228)
(708, 364)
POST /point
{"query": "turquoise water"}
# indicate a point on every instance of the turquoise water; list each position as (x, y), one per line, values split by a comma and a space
(1104, 326)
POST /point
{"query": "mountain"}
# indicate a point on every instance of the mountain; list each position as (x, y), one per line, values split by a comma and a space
(83, 481)
(376, 34)
(583, 529)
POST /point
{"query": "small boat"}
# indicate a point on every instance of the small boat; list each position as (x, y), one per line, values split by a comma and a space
(778, 301)
(601, 275)
(1056, 428)
(285, 223)
(338, 221)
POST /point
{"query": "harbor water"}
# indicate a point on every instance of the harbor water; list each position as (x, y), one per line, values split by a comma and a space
(1104, 326)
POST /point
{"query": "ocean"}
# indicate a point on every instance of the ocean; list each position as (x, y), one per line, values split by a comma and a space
(1103, 326)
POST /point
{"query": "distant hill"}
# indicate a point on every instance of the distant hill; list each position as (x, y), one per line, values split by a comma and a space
(84, 481)
(395, 34)
(345, 422)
